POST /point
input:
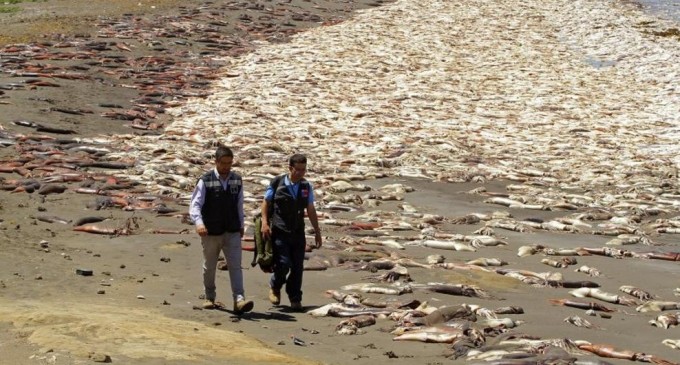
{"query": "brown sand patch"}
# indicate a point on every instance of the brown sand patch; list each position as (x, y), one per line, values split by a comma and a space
(135, 333)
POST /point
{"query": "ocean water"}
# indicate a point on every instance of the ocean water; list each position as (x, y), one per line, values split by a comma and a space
(667, 9)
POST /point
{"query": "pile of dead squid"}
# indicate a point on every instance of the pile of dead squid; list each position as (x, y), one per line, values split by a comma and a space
(374, 242)
(159, 80)
(473, 332)
(50, 166)
(162, 60)
(380, 104)
(582, 120)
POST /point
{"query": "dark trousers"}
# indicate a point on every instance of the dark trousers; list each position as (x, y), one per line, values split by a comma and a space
(289, 257)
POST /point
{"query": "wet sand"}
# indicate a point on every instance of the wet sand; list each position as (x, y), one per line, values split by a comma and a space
(50, 312)
(138, 307)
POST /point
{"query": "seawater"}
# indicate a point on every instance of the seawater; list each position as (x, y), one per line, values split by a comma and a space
(667, 9)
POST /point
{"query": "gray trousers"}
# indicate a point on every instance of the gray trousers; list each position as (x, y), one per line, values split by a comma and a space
(228, 243)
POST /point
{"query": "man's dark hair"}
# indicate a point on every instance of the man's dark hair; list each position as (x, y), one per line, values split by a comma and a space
(297, 158)
(223, 151)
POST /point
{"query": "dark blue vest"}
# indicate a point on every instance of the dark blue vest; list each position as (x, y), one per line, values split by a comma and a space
(220, 209)
(288, 214)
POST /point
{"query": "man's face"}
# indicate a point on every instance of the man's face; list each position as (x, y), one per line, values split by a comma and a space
(297, 171)
(223, 165)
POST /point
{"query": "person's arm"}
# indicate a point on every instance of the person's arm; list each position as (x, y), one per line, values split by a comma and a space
(311, 214)
(197, 201)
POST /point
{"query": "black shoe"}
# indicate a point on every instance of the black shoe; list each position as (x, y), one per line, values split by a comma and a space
(296, 307)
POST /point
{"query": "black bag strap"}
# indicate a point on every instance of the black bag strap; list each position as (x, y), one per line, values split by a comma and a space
(276, 181)
(256, 230)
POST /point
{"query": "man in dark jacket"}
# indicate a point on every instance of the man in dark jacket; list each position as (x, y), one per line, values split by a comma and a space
(283, 220)
(217, 210)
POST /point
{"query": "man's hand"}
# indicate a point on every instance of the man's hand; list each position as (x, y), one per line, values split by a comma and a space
(266, 231)
(201, 230)
(317, 238)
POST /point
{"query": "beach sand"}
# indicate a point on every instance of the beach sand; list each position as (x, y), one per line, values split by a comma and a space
(52, 314)
(140, 304)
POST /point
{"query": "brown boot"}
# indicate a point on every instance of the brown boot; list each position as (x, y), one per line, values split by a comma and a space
(275, 296)
(243, 306)
(211, 304)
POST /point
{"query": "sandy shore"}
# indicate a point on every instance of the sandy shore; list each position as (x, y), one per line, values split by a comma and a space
(58, 316)
(140, 304)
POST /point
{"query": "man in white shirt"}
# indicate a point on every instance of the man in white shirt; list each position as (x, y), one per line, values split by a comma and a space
(217, 211)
